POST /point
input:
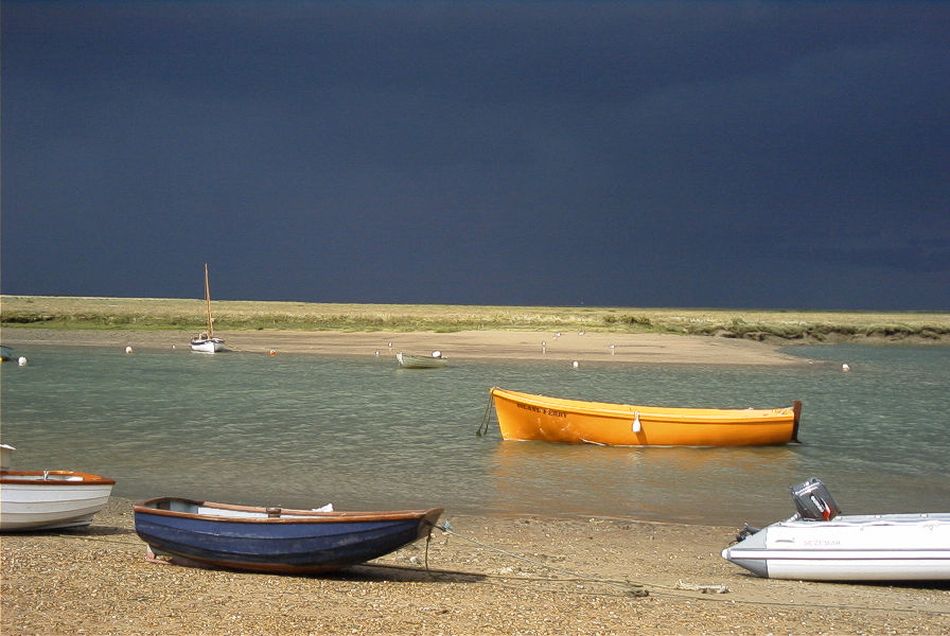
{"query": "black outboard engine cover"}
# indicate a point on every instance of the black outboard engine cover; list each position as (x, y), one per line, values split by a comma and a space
(813, 501)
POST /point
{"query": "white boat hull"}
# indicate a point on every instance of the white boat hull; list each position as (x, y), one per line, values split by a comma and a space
(56, 502)
(898, 547)
(409, 361)
(210, 345)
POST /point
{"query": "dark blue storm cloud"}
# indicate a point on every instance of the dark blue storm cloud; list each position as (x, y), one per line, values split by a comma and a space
(738, 154)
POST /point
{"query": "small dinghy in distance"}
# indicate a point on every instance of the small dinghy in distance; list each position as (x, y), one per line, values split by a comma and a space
(411, 361)
(818, 544)
(274, 540)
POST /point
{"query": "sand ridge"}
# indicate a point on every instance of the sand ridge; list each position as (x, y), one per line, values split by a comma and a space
(463, 345)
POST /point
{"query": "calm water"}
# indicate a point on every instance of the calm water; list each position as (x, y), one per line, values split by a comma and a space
(362, 433)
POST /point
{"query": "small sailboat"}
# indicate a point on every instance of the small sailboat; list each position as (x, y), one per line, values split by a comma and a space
(206, 342)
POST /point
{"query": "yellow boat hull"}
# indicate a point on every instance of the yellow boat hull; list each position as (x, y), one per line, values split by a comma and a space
(524, 416)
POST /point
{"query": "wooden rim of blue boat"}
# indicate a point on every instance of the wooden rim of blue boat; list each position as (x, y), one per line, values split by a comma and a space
(276, 514)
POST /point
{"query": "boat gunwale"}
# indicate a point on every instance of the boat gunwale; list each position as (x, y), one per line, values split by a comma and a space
(294, 515)
(676, 416)
(889, 520)
(15, 477)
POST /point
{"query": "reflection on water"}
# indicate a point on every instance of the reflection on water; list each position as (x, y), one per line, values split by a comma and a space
(361, 433)
(689, 484)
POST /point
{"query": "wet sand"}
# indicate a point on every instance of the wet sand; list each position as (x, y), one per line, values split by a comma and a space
(463, 345)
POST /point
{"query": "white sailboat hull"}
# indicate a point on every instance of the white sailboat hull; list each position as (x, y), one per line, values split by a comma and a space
(897, 547)
(59, 500)
(209, 345)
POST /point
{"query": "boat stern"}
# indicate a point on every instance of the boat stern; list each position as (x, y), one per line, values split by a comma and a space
(796, 422)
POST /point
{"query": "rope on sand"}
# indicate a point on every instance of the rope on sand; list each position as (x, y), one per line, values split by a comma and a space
(629, 587)
(680, 590)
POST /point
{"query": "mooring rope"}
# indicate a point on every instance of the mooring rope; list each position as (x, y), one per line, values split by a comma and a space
(486, 419)
(680, 590)
(629, 587)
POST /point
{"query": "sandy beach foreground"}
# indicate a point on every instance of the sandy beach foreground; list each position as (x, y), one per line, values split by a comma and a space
(518, 575)
(461, 345)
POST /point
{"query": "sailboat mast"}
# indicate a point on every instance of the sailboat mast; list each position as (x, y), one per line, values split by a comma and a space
(208, 301)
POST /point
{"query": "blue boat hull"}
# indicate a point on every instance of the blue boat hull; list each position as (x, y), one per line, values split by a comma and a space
(283, 544)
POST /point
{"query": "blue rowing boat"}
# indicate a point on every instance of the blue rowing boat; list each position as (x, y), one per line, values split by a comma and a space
(273, 540)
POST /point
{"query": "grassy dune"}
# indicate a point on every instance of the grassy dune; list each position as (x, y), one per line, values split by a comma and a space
(182, 314)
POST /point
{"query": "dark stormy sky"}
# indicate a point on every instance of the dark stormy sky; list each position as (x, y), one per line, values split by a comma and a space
(693, 154)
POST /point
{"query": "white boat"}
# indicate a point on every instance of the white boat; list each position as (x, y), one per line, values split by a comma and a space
(410, 361)
(46, 499)
(206, 342)
(830, 547)
(894, 547)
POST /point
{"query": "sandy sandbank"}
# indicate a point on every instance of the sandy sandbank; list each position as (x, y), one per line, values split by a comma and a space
(462, 345)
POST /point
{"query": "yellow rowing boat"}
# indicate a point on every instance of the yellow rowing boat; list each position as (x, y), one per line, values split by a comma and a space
(524, 416)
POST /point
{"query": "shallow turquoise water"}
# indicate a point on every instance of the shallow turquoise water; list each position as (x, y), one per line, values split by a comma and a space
(361, 433)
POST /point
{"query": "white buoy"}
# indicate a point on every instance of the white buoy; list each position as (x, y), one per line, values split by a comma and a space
(845, 367)
(128, 349)
(575, 364)
(21, 361)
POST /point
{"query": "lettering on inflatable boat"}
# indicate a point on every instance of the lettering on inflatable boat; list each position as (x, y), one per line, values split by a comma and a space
(542, 410)
(822, 542)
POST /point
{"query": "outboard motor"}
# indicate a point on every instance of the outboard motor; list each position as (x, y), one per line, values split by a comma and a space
(813, 501)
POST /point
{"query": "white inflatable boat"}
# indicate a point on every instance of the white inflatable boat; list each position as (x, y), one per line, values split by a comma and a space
(817, 544)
